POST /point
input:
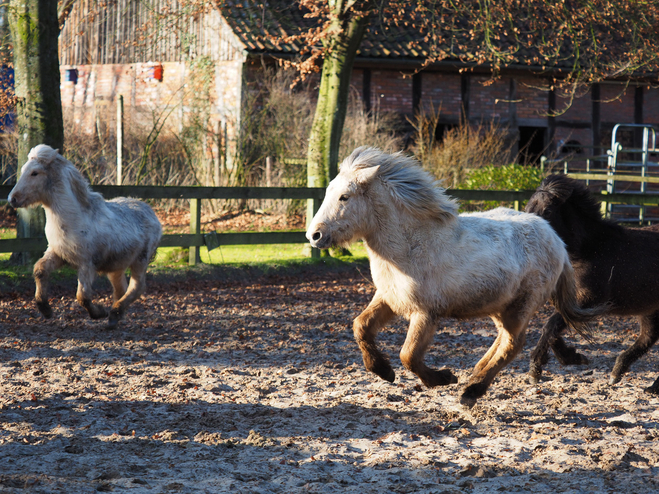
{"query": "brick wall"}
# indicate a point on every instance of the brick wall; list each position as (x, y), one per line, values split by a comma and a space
(575, 108)
(391, 91)
(531, 102)
(489, 99)
(651, 105)
(617, 103)
(98, 86)
(441, 92)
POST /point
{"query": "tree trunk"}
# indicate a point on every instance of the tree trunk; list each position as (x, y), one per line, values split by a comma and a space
(346, 34)
(323, 151)
(34, 29)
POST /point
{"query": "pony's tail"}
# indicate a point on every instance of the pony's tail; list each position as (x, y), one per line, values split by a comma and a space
(564, 299)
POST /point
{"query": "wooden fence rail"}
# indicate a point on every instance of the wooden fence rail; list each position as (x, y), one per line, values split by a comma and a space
(195, 239)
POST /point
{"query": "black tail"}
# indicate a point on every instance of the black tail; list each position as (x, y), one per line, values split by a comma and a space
(564, 299)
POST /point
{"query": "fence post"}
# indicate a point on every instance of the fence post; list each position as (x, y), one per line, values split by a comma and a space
(268, 171)
(195, 228)
(313, 205)
(120, 138)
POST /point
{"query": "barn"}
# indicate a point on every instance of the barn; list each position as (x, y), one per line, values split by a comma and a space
(161, 62)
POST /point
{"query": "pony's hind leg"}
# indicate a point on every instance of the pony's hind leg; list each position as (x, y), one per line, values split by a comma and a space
(419, 337)
(42, 269)
(86, 276)
(135, 288)
(510, 341)
(540, 354)
(648, 337)
(365, 328)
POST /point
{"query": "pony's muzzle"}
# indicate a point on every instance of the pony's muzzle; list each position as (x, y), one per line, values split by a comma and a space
(318, 239)
(14, 201)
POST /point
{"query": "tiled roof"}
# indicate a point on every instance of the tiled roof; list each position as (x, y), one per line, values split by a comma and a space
(265, 27)
(259, 25)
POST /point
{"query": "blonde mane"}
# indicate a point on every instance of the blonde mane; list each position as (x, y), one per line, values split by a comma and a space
(409, 184)
(65, 172)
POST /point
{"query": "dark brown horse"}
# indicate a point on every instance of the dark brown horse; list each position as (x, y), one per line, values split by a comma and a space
(613, 264)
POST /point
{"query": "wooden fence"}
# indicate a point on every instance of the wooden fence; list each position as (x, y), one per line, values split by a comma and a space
(195, 239)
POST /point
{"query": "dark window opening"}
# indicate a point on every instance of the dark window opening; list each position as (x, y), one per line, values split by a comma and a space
(571, 147)
(531, 144)
(441, 130)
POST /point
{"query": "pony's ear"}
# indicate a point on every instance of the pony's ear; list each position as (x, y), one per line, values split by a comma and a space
(366, 175)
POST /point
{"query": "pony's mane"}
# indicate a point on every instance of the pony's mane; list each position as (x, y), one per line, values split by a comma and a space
(563, 189)
(65, 172)
(410, 185)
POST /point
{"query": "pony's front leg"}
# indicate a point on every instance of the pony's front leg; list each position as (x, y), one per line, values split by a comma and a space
(86, 275)
(119, 284)
(42, 269)
(419, 336)
(365, 329)
(510, 341)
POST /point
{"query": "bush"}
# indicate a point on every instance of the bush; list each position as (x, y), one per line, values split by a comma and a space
(508, 177)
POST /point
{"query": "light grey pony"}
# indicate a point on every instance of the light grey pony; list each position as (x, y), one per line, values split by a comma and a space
(87, 232)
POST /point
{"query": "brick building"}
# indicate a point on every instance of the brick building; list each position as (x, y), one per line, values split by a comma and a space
(101, 59)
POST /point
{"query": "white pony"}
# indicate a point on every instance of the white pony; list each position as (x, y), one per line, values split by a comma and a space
(87, 232)
(428, 262)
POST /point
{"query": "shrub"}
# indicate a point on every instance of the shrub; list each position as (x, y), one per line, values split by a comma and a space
(508, 177)
(461, 148)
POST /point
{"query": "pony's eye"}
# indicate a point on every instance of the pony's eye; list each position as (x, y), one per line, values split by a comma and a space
(343, 198)
(34, 174)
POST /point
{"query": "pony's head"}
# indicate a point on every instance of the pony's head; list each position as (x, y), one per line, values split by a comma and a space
(567, 205)
(369, 184)
(45, 175)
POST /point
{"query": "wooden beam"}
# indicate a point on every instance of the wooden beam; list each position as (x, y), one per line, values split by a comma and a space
(617, 177)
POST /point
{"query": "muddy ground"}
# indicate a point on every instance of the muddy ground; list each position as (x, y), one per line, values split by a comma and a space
(224, 381)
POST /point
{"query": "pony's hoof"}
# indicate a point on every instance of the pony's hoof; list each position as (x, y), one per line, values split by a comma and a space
(614, 379)
(45, 309)
(534, 374)
(468, 401)
(381, 368)
(442, 377)
(471, 394)
(573, 359)
(388, 376)
(653, 390)
(98, 312)
(113, 320)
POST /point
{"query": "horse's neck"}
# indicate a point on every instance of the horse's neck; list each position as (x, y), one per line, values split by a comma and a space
(65, 215)
(401, 239)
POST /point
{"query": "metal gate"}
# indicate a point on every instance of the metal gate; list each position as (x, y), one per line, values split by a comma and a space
(639, 162)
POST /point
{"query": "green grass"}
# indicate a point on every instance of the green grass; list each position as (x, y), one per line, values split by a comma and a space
(6, 233)
(176, 257)
(248, 258)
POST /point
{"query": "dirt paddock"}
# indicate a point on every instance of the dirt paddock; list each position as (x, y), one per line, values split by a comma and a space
(256, 386)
